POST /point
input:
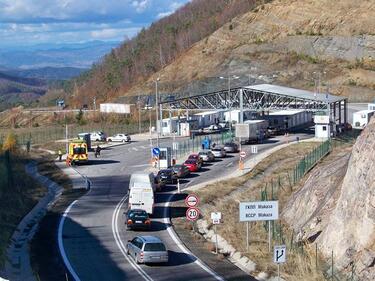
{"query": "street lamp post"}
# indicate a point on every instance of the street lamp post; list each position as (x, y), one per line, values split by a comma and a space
(230, 102)
(156, 110)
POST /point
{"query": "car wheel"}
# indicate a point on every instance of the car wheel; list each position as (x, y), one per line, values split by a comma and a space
(109, 140)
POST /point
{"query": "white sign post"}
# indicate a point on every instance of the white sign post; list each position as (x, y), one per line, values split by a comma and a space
(279, 256)
(216, 217)
(259, 211)
(254, 149)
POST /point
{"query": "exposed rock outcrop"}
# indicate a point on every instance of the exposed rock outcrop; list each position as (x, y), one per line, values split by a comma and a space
(336, 207)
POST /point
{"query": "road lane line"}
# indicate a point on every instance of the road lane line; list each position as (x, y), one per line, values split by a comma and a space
(228, 165)
(61, 244)
(121, 245)
(182, 247)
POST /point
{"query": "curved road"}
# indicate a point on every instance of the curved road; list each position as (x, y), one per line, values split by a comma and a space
(94, 235)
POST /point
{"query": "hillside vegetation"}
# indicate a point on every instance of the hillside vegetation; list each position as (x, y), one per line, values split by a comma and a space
(157, 46)
(18, 91)
(284, 42)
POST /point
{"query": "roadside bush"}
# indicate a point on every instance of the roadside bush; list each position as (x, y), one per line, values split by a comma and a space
(10, 142)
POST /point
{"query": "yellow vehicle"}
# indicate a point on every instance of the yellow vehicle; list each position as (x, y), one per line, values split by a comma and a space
(78, 152)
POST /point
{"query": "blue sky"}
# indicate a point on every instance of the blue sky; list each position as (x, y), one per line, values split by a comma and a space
(30, 22)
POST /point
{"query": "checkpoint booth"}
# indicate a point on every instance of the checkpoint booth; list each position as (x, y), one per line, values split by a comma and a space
(322, 126)
(165, 157)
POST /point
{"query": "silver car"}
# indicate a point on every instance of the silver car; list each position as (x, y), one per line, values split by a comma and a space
(147, 249)
(207, 155)
(231, 147)
(219, 152)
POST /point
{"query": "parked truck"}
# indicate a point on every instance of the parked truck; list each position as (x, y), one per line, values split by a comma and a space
(252, 131)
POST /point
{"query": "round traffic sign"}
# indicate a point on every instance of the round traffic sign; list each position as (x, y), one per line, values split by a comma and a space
(242, 154)
(156, 151)
(192, 214)
(191, 200)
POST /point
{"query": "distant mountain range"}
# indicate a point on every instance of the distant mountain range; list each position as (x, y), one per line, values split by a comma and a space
(81, 55)
(19, 91)
(46, 73)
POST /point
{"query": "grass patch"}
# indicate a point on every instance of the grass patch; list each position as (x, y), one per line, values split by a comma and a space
(16, 200)
(272, 174)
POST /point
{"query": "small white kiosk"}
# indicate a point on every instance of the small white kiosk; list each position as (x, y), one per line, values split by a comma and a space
(165, 157)
(322, 126)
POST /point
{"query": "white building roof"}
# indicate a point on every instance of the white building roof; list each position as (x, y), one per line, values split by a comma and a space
(291, 92)
(207, 113)
(286, 112)
(366, 111)
(254, 121)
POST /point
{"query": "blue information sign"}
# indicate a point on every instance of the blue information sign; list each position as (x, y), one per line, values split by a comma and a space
(156, 151)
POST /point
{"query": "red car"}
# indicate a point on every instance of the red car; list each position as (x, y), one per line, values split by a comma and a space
(195, 156)
(192, 165)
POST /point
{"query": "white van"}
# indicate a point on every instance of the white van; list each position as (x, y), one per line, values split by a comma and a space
(141, 192)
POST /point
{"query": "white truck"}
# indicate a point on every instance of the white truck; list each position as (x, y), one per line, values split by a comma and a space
(252, 131)
(141, 192)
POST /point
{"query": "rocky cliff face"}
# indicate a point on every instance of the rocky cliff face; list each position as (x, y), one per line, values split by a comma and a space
(335, 208)
(351, 228)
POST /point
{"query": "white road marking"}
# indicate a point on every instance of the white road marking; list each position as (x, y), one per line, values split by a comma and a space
(142, 165)
(134, 148)
(182, 247)
(121, 245)
(61, 244)
(230, 164)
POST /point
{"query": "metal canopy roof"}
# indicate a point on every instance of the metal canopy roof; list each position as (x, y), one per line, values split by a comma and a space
(263, 97)
(292, 92)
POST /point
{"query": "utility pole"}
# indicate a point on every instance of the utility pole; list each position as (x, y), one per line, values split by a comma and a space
(94, 102)
(229, 97)
(156, 110)
(139, 115)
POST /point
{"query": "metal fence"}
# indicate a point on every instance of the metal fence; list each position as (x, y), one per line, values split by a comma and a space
(309, 161)
(42, 135)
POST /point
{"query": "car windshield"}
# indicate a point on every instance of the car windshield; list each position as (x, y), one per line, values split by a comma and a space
(154, 247)
(229, 144)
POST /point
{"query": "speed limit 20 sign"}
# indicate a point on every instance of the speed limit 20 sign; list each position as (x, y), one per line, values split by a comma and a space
(192, 214)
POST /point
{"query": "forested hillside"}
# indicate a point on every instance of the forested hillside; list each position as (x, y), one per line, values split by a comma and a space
(157, 46)
(19, 91)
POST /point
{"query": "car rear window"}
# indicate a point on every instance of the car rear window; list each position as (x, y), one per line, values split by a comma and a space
(154, 247)
(190, 162)
(142, 215)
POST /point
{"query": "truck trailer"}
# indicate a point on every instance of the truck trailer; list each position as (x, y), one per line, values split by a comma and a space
(252, 131)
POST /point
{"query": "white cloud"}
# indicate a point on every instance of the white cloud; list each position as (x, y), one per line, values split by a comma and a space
(31, 21)
(104, 33)
(141, 5)
(163, 14)
(172, 8)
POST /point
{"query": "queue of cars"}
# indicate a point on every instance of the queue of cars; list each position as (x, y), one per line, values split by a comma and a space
(142, 188)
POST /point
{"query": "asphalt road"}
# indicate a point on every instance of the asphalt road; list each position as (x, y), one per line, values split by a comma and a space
(94, 235)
